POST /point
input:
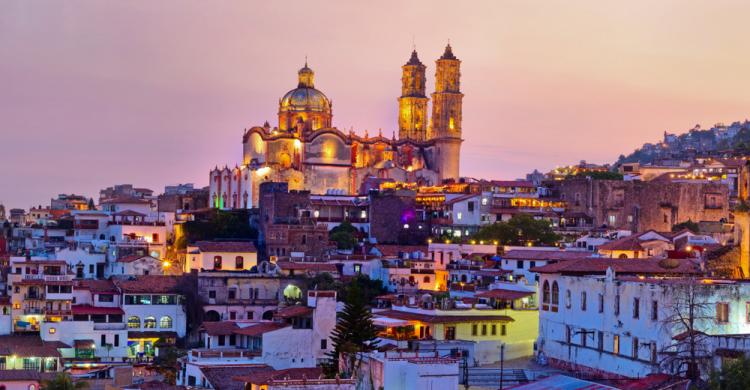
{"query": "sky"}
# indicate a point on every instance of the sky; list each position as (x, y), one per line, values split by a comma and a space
(96, 93)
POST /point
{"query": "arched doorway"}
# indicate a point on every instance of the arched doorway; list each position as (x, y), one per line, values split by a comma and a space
(268, 315)
(212, 315)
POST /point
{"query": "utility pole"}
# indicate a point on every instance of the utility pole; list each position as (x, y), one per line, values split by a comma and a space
(502, 361)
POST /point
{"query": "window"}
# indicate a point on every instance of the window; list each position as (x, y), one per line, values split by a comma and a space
(635, 348)
(617, 304)
(503, 330)
(103, 341)
(149, 322)
(653, 352)
(31, 364)
(324, 344)
(545, 295)
(239, 262)
(519, 264)
(493, 330)
(568, 299)
(459, 215)
(357, 268)
(134, 322)
(211, 294)
(484, 329)
(117, 340)
(654, 310)
(52, 330)
(232, 293)
(232, 315)
(165, 322)
(600, 340)
(568, 333)
(217, 262)
(601, 303)
(470, 207)
(426, 279)
(555, 296)
(636, 308)
(474, 328)
(616, 344)
(747, 312)
(612, 220)
(450, 333)
(583, 300)
(222, 339)
(106, 298)
(722, 312)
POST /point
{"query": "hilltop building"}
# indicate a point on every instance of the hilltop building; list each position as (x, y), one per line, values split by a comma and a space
(306, 151)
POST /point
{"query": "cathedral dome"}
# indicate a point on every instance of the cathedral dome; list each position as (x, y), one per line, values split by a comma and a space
(305, 97)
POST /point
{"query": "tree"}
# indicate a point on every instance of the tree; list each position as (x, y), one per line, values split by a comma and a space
(354, 334)
(689, 225)
(733, 375)
(519, 230)
(222, 224)
(345, 235)
(63, 382)
(166, 362)
(687, 316)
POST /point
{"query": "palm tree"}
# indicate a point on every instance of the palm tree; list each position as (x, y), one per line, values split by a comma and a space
(63, 382)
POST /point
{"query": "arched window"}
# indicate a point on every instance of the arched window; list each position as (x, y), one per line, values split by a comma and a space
(427, 279)
(555, 296)
(134, 322)
(165, 322)
(149, 322)
(545, 295)
(623, 256)
(217, 262)
(239, 262)
(568, 299)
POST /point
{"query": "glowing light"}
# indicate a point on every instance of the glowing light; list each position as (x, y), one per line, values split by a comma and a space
(297, 144)
(429, 240)
(262, 171)
(689, 248)
(166, 264)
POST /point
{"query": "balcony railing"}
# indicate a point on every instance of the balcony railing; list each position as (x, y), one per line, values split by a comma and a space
(109, 326)
(33, 297)
(219, 354)
(33, 310)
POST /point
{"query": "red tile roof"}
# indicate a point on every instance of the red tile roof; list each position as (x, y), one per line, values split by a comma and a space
(95, 286)
(307, 266)
(125, 200)
(260, 328)
(629, 243)
(132, 258)
(622, 266)
(219, 328)
(29, 346)
(266, 377)
(504, 294)
(444, 319)
(393, 250)
(154, 284)
(128, 213)
(226, 246)
(545, 255)
(88, 309)
(293, 311)
(224, 378)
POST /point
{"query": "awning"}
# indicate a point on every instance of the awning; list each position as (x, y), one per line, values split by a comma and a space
(84, 344)
(389, 322)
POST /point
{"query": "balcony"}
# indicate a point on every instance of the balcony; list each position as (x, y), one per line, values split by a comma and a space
(221, 354)
(33, 310)
(37, 297)
(110, 326)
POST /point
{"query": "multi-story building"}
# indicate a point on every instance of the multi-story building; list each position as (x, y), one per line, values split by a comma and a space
(41, 291)
(221, 256)
(230, 296)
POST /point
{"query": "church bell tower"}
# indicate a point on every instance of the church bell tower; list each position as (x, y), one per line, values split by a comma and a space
(412, 105)
(445, 128)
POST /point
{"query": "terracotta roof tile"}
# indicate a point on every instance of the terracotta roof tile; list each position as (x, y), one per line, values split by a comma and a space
(29, 346)
(293, 311)
(307, 266)
(224, 377)
(88, 309)
(504, 294)
(149, 284)
(546, 255)
(623, 266)
(219, 328)
(95, 286)
(19, 375)
(260, 328)
(267, 377)
(226, 246)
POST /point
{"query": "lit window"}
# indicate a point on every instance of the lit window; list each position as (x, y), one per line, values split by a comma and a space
(52, 330)
(165, 322)
(459, 215)
(149, 322)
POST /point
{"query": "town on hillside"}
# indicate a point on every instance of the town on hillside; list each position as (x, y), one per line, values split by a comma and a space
(335, 259)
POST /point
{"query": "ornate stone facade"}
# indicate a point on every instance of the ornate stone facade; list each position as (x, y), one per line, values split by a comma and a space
(307, 153)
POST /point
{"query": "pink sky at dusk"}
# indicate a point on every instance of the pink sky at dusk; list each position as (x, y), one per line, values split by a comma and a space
(96, 93)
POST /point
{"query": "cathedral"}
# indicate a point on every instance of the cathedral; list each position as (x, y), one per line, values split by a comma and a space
(306, 151)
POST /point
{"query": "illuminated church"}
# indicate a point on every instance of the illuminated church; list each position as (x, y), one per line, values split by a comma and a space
(306, 151)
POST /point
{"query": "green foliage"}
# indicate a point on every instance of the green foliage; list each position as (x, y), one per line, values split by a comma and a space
(191, 300)
(355, 333)
(366, 287)
(222, 225)
(63, 382)
(519, 230)
(689, 225)
(733, 375)
(345, 235)
(166, 363)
